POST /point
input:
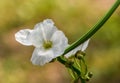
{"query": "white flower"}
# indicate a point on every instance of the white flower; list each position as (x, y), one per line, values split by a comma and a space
(82, 47)
(49, 42)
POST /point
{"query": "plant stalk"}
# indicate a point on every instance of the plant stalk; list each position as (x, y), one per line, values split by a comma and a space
(94, 29)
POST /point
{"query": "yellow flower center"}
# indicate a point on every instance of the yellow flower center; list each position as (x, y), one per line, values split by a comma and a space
(47, 44)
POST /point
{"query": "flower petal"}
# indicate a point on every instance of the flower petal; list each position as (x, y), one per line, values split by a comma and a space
(22, 37)
(60, 42)
(41, 57)
(48, 22)
(48, 28)
(82, 47)
(43, 31)
(36, 37)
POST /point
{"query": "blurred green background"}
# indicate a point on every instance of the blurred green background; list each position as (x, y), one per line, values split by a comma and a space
(74, 18)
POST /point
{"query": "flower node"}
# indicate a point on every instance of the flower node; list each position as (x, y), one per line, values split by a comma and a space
(69, 63)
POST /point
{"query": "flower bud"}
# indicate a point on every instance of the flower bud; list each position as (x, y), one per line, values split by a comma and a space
(79, 54)
(69, 63)
(90, 74)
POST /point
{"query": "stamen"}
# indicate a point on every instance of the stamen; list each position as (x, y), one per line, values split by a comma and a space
(47, 44)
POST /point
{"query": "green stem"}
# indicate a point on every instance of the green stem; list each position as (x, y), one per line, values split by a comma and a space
(63, 61)
(86, 69)
(83, 81)
(94, 29)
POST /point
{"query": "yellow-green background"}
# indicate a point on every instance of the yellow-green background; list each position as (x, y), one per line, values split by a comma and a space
(74, 18)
